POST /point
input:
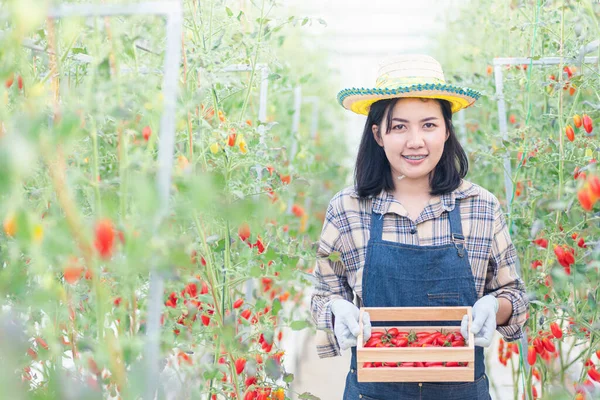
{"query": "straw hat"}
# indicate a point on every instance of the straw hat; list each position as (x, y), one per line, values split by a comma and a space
(410, 75)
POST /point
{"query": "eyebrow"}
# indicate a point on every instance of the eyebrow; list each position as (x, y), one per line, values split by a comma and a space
(423, 120)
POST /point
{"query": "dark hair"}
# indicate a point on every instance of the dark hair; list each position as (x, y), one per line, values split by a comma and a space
(372, 172)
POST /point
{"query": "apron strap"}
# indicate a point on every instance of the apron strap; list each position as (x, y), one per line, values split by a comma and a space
(456, 229)
(376, 230)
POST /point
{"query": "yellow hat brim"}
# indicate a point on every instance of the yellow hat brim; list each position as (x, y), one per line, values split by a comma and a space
(360, 100)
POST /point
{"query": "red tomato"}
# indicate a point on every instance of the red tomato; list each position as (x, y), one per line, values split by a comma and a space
(105, 236)
(594, 374)
(400, 342)
(452, 364)
(585, 200)
(231, 139)
(531, 355)
(393, 332)
(146, 132)
(556, 331)
(570, 133)
(240, 363)
(548, 345)
(244, 231)
(429, 339)
(594, 183)
(434, 364)
(537, 344)
(577, 121)
(238, 303)
(587, 123)
(458, 343)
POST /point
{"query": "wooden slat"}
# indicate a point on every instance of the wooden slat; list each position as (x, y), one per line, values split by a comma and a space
(417, 328)
(360, 339)
(388, 354)
(416, 313)
(471, 338)
(416, 374)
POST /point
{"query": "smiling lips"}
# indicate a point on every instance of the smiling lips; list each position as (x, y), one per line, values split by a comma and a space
(415, 157)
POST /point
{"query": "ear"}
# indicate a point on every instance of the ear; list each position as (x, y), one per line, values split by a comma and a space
(447, 135)
(376, 135)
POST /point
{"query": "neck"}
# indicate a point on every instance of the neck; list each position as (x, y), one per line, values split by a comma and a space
(412, 187)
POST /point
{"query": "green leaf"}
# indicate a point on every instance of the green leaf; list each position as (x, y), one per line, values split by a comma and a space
(260, 304)
(276, 307)
(304, 21)
(272, 369)
(299, 325)
(308, 396)
(592, 301)
(288, 378)
(274, 77)
(229, 12)
(239, 16)
(256, 271)
(322, 21)
(335, 256)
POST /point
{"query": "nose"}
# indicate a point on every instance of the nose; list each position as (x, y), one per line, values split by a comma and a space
(414, 139)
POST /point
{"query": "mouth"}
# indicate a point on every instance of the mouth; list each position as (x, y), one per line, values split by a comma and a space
(418, 157)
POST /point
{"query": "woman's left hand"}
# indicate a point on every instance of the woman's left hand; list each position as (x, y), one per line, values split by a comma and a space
(484, 321)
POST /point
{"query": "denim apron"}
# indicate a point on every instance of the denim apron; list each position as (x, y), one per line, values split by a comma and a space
(403, 275)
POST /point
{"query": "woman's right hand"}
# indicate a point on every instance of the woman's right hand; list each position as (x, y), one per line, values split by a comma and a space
(346, 323)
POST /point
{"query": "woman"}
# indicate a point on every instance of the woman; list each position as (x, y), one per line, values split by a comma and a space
(412, 231)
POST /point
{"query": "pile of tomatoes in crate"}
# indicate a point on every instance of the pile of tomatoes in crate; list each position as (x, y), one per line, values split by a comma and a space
(394, 338)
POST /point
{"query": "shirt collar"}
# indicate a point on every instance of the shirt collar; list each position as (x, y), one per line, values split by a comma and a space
(385, 202)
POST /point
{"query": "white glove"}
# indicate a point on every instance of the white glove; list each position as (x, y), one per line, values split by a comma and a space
(346, 323)
(484, 321)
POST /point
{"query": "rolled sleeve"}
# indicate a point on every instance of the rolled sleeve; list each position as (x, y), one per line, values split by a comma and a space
(503, 279)
(331, 284)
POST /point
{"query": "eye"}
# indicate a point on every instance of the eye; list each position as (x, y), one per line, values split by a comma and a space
(430, 123)
(398, 126)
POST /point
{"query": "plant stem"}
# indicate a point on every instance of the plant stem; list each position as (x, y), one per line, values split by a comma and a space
(252, 73)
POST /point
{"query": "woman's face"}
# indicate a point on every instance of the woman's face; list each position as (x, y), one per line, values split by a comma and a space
(415, 142)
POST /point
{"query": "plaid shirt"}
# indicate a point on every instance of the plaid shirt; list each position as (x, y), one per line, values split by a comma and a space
(345, 234)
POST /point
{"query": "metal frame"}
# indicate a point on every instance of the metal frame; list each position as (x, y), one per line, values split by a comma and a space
(262, 118)
(502, 119)
(173, 13)
(498, 76)
(264, 87)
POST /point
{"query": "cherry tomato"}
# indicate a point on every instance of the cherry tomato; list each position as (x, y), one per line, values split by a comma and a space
(531, 355)
(556, 331)
(548, 345)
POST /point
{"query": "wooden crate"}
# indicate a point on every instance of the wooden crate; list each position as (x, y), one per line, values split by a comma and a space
(413, 354)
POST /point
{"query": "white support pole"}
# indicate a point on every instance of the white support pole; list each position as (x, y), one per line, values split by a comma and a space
(166, 148)
(158, 8)
(508, 186)
(172, 10)
(498, 75)
(262, 118)
(295, 128)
